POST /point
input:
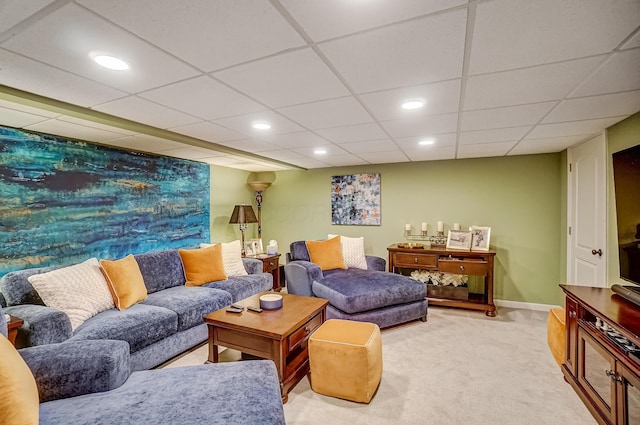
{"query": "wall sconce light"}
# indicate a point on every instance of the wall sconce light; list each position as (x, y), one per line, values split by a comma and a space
(242, 215)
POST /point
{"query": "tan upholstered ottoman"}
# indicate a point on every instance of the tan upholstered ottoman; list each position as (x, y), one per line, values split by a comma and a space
(345, 358)
(556, 334)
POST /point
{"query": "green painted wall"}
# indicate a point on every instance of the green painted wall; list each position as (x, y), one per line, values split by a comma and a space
(520, 198)
(228, 188)
(620, 136)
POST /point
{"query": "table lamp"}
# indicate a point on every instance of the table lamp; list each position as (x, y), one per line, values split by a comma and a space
(241, 215)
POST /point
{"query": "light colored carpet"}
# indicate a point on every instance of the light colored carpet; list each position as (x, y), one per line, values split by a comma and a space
(460, 367)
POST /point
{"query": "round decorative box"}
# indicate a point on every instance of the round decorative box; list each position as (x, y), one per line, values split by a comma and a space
(271, 302)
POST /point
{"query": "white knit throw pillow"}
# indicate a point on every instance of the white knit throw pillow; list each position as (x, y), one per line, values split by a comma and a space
(231, 258)
(353, 252)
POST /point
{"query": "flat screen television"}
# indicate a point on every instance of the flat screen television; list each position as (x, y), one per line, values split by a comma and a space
(626, 176)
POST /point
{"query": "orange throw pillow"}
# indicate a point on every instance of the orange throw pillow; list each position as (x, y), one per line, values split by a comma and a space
(125, 281)
(203, 265)
(326, 254)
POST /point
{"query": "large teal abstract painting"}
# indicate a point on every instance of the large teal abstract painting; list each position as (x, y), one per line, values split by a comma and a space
(63, 201)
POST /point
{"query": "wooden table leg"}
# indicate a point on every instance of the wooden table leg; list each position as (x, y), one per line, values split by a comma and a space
(213, 349)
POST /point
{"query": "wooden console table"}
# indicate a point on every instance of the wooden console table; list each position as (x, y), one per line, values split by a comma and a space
(599, 365)
(477, 263)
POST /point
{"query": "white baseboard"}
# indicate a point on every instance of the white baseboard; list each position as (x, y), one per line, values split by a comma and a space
(524, 306)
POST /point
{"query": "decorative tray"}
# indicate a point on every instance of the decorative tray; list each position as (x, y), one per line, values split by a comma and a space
(411, 245)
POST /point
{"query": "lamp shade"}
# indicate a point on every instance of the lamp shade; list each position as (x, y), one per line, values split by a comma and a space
(243, 214)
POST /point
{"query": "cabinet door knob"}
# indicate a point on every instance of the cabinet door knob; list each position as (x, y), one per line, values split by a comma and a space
(462, 268)
(598, 252)
(415, 260)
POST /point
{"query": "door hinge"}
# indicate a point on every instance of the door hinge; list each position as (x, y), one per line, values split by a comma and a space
(569, 230)
(569, 167)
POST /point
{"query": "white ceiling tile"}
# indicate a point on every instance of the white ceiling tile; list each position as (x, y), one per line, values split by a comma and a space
(191, 152)
(384, 157)
(332, 18)
(286, 79)
(309, 163)
(384, 145)
(584, 108)
(556, 144)
(242, 124)
(440, 98)
(432, 153)
(432, 50)
(13, 12)
(517, 33)
(344, 160)
(328, 113)
(250, 145)
(485, 149)
(632, 42)
(208, 131)
(484, 119)
(211, 34)
(18, 119)
(538, 84)
(283, 155)
(573, 128)
(226, 160)
(74, 131)
(73, 33)
(495, 135)
(144, 143)
(146, 112)
(440, 140)
(353, 133)
(621, 72)
(203, 97)
(28, 75)
(422, 126)
(295, 140)
(119, 131)
(331, 150)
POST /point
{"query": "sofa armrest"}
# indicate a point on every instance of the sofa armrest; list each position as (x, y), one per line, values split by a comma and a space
(300, 275)
(252, 265)
(376, 263)
(42, 325)
(75, 368)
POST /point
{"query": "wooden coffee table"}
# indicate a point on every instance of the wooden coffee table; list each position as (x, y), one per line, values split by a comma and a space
(280, 335)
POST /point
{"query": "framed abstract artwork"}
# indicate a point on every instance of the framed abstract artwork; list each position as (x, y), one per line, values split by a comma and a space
(355, 199)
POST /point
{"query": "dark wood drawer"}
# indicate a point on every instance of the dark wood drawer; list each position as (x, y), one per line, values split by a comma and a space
(270, 265)
(416, 260)
(302, 333)
(471, 267)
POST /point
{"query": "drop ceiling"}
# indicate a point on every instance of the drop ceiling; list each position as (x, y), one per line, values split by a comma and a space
(498, 77)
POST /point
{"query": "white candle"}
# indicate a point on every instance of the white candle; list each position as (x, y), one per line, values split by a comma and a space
(424, 227)
(407, 227)
(440, 227)
(456, 226)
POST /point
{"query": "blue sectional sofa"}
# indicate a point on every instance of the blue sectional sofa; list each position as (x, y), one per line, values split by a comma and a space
(167, 323)
(371, 295)
(89, 382)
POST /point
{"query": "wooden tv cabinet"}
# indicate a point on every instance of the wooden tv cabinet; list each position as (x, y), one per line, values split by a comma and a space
(604, 373)
(478, 263)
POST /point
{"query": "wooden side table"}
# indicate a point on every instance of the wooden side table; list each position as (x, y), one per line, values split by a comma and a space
(270, 264)
(13, 324)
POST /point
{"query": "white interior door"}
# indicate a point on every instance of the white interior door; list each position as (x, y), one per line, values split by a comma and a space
(586, 257)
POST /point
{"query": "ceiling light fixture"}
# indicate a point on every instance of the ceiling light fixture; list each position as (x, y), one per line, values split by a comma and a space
(111, 62)
(320, 151)
(261, 125)
(426, 142)
(413, 104)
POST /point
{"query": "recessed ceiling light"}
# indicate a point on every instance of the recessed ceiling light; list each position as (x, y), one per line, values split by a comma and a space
(261, 125)
(426, 142)
(111, 62)
(320, 151)
(413, 104)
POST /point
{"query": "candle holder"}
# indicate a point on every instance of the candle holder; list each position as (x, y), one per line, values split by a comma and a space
(437, 240)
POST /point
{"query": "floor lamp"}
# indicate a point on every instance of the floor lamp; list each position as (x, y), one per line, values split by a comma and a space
(242, 215)
(259, 188)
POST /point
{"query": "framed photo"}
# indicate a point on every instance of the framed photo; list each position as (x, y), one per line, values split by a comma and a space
(258, 245)
(480, 238)
(459, 239)
(251, 247)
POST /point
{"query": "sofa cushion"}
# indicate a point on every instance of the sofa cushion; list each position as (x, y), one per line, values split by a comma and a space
(140, 325)
(125, 281)
(244, 286)
(80, 290)
(19, 396)
(161, 270)
(190, 303)
(355, 290)
(352, 251)
(231, 258)
(202, 265)
(16, 289)
(326, 254)
(298, 251)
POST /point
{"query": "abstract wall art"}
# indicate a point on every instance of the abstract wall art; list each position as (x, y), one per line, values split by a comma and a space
(355, 199)
(63, 201)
